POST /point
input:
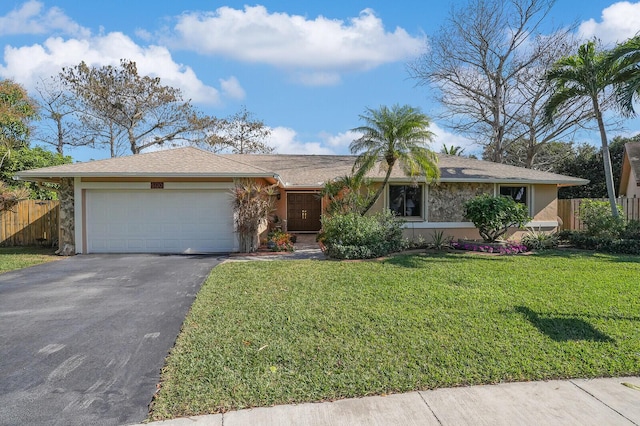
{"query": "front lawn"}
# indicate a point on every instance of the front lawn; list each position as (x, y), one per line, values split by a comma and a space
(12, 258)
(264, 333)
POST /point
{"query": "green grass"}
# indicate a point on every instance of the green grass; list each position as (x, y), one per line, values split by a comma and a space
(264, 333)
(12, 258)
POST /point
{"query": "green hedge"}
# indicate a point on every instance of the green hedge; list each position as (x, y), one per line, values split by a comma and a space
(353, 236)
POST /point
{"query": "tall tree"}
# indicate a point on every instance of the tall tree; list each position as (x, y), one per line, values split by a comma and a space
(61, 125)
(397, 135)
(625, 59)
(547, 155)
(26, 158)
(532, 133)
(139, 107)
(17, 110)
(244, 134)
(585, 161)
(484, 66)
(585, 75)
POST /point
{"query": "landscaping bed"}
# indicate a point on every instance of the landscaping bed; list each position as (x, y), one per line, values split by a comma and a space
(265, 333)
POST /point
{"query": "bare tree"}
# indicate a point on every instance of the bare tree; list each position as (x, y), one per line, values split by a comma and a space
(487, 66)
(122, 103)
(61, 126)
(244, 134)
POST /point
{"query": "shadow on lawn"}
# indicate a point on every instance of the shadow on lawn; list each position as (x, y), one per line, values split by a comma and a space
(562, 329)
(573, 253)
(421, 260)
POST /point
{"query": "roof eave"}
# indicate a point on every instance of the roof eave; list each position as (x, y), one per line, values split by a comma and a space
(53, 177)
(559, 182)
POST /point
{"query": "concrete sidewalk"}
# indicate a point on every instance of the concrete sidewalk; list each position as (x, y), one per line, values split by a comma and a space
(567, 402)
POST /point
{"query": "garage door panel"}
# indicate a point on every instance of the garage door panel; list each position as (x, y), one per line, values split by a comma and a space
(168, 221)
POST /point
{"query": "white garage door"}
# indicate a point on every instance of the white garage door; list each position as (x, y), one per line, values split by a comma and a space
(159, 221)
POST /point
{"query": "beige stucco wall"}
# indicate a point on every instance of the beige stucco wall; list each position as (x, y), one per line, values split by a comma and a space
(633, 190)
(545, 203)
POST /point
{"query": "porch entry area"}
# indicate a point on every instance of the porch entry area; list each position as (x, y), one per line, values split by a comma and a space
(303, 212)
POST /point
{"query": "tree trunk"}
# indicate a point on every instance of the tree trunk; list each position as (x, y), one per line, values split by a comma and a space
(249, 242)
(606, 157)
(379, 191)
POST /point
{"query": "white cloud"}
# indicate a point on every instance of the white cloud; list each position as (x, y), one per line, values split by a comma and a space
(340, 142)
(32, 18)
(316, 49)
(449, 139)
(285, 141)
(619, 22)
(27, 64)
(231, 88)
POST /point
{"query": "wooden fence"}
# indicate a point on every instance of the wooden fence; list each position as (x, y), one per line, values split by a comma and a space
(568, 211)
(30, 222)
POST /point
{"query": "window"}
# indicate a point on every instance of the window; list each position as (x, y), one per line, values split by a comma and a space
(405, 200)
(518, 193)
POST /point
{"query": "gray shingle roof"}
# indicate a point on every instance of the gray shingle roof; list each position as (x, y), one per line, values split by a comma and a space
(293, 170)
(174, 162)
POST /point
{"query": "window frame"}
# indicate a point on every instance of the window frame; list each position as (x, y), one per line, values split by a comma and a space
(528, 194)
(422, 205)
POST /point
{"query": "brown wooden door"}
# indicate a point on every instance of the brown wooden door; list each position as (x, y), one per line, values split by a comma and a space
(303, 212)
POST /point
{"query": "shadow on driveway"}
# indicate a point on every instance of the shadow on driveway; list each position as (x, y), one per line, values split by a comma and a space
(82, 340)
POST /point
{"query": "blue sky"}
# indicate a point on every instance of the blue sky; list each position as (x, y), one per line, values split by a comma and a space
(307, 69)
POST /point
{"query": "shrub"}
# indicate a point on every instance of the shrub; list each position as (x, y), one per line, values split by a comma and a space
(252, 203)
(598, 220)
(502, 248)
(631, 230)
(584, 241)
(353, 236)
(416, 243)
(493, 216)
(620, 246)
(565, 235)
(440, 241)
(537, 240)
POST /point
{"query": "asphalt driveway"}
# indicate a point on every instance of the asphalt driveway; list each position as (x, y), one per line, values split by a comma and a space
(83, 339)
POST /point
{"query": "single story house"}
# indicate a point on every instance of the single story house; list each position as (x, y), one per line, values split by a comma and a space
(178, 200)
(630, 178)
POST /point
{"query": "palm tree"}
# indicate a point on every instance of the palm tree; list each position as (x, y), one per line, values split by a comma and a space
(588, 74)
(452, 150)
(625, 60)
(396, 135)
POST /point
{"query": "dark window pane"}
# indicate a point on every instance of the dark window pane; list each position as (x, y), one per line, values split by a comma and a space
(518, 193)
(405, 200)
(396, 197)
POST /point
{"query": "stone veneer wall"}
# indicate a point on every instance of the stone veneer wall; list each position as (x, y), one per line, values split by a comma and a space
(66, 243)
(446, 200)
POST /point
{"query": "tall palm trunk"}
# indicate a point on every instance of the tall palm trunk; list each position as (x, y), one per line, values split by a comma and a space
(379, 191)
(606, 158)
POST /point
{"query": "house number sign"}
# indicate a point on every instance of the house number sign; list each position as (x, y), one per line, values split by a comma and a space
(157, 185)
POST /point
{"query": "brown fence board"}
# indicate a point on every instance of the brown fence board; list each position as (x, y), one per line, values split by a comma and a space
(568, 211)
(30, 222)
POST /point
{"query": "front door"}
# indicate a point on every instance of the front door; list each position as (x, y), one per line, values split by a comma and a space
(303, 212)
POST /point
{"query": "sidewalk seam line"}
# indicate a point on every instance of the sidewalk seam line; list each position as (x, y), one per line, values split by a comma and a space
(602, 402)
(429, 407)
